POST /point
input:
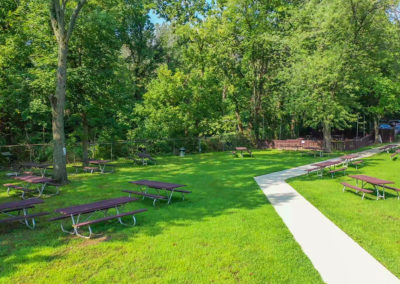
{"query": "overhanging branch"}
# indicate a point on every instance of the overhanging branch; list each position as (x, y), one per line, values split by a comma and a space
(73, 18)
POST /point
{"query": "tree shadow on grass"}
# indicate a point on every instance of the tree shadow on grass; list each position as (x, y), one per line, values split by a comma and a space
(219, 184)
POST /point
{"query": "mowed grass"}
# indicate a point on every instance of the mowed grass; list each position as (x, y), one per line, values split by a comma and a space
(225, 231)
(375, 225)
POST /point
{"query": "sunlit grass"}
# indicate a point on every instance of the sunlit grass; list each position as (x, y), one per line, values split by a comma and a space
(375, 225)
(226, 231)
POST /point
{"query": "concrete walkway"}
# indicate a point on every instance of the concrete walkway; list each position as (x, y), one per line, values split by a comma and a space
(333, 253)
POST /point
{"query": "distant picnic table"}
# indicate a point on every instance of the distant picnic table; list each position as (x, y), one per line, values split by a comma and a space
(145, 158)
(323, 165)
(20, 210)
(41, 166)
(241, 149)
(101, 163)
(144, 185)
(375, 182)
(348, 158)
(41, 182)
(315, 150)
(81, 215)
(389, 147)
(397, 152)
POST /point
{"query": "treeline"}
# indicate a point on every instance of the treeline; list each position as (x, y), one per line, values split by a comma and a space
(259, 68)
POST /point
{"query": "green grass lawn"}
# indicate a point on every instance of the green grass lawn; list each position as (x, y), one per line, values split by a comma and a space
(226, 231)
(375, 225)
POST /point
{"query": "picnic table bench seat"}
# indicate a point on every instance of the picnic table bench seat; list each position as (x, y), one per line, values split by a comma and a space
(393, 188)
(18, 209)
(311, 170)
(155, 197)
(21, 188)
(393, 155)
(334, 171)
(118, 216)
(89, 169)
(178, 190)
(23, 217)
(59, 218)
(104, 219)
(356, 188)
(357, 163)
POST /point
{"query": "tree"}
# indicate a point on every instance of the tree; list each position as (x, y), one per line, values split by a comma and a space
(62, 31)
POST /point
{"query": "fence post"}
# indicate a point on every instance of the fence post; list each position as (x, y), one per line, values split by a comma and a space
(111, 151)
(199, 144)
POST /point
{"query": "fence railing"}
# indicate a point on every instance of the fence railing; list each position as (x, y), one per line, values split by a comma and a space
(117, 149)
(339, 145)
(124, 149)
(353, 144)
(293, 144)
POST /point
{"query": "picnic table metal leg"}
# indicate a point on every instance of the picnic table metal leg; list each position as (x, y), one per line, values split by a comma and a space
(170, 197)
(41, 189)
(120, 219)
(76, 232)
(25, 211)
(102, 168)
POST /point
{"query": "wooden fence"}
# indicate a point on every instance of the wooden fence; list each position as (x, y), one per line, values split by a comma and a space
(302, 144)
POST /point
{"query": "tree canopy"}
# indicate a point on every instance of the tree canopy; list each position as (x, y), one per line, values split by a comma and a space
(264, 69)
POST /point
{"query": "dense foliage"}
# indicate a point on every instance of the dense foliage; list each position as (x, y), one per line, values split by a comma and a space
(264, 69)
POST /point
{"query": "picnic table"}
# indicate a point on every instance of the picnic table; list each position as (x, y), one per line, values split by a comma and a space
(41, 182)
(41, 166)
(242, 149)
(348, 158)
(315, 150)
(375, 182)
(144, 185)
(328, 164)
(87, 211)
(101, 163)
(389, 147)
(145, 157)
(18, 207)
(395, 154)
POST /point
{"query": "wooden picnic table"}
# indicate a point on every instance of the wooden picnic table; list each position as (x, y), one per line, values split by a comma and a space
(41, 166)
(316, 151)
(348, 158)
(144, 156)
(242, 149)
(18, 207)
(375, 182)
(89, 209)
(40, 181)
(327, 164)
(100, 163)
(389, 147)
(158, 186)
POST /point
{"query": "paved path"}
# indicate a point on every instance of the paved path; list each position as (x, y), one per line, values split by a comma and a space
(333, 253)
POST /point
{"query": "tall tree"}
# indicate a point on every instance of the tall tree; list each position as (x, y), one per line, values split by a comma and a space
(62, 31)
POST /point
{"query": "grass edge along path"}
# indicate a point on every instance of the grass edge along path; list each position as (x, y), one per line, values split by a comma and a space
(373, 224)
(224, 232)
(335, 255)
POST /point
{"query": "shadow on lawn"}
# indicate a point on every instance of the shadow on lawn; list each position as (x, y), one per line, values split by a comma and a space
(219, 184)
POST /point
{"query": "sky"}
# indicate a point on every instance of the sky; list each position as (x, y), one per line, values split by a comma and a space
(155, 19)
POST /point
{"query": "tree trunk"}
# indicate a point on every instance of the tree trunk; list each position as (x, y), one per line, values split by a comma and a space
(326, 129)
(237, 114)
(57, 110)
(293, 128)
(85, 140)
(376, 129)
